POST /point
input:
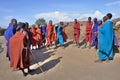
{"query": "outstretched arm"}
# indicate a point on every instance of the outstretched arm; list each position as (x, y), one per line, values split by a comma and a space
(65, 25)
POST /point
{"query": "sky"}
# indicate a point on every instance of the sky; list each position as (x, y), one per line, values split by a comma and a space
(56, 10)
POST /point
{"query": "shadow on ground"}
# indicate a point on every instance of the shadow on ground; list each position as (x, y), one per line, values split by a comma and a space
(1, 49)
(65, 45)
(82, 42)
(68, 43)
(46, 66)
(40, 55)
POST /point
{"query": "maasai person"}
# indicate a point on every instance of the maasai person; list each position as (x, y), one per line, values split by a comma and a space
(19, 49)
(39, 36)
(59, 34)
(100, 23)
(88, 38)
(43, 29)
(53, 37)
(105, 44)
(76, 28)
(10, 31)
(95, 33)
(105, 18)
(34, 37)
(115, 38)
(49, 33)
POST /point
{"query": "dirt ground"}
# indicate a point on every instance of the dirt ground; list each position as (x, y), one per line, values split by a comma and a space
(71, 63)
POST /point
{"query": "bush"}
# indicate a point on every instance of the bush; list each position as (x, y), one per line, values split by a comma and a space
(2, 31)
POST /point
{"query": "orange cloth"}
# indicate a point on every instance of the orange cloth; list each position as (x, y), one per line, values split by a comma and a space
(53, 37)
(89, 32)
(50, 34)
(19, 56)
(76, 32)
(34, 36)
(65, 37)
(39, 36)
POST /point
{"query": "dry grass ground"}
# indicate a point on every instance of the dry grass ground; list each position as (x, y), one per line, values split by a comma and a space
(71, 63)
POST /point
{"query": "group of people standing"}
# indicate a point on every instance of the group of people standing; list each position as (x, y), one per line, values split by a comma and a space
(42, 35)
(91, 32)
(20, 39)
(99, 34)
(18, 42)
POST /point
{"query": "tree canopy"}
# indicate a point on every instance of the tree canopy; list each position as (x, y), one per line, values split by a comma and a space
(40, 21)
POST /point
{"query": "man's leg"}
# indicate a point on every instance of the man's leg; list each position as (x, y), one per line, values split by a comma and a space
(77, 39)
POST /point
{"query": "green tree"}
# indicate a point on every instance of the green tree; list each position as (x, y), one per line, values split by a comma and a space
(40, 21)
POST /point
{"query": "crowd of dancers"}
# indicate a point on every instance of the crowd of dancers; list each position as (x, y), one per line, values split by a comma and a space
(20, 39)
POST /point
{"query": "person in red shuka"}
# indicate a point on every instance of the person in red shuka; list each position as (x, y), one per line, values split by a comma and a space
(76, 28)
(88, 38)
(19, 49)
(33, 32)
(39, 36)
(50, 33)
